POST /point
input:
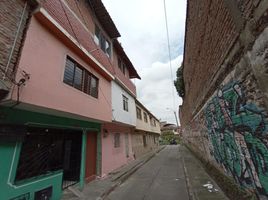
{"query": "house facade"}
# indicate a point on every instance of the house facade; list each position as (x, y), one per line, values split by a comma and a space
(147, 131)
(117, 143)
(67, 106)
(52, 119)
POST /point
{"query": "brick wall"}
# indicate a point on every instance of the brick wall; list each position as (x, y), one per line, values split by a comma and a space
(224, 113)
(9, 28)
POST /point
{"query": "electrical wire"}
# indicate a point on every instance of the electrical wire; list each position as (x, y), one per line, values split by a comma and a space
(89, 69)
(168, 42)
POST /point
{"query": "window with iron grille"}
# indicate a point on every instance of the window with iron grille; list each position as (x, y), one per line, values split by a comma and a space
(79, 78)
(117, 140)
(125, 103)
(138, 110)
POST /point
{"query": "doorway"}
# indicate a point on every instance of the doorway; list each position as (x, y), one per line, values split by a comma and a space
(91, 156)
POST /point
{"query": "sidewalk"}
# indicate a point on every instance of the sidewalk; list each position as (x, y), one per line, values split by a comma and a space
(200, 185)
(100, 188)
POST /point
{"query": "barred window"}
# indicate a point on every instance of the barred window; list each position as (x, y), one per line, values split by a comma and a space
(117, 140)
(79, 78)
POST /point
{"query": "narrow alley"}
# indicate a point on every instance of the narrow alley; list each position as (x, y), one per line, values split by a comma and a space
(165, 177)
(161, 178)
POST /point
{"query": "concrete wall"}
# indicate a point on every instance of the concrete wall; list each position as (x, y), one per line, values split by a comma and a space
(44, 58)
(224, 113)
(138, 146)
(120, 115)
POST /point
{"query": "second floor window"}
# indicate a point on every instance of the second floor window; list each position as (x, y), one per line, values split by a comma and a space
(104, 44)
(145, 117)
(138, 113)
(125, 103)
(79, 78)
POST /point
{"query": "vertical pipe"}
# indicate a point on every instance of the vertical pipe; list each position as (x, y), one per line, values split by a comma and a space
(83, 160)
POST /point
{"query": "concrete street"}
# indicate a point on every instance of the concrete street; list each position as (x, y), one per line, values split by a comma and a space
(161, 178)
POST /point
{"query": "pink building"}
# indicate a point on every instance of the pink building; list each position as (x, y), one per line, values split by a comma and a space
(71, 107)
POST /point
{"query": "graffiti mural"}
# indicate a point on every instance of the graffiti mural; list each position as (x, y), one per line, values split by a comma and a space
(238, 132)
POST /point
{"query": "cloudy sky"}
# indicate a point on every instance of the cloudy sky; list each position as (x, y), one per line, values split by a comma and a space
(143, 36)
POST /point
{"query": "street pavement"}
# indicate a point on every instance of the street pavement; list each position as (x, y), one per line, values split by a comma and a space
(162, 178)
(167, 173)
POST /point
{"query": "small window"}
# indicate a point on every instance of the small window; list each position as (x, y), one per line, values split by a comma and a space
(116, 140)
(145, 117)
(125, 103)
(138, 113)
(144, 140)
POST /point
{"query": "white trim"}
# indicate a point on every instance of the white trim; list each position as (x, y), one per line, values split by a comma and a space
(73, 40)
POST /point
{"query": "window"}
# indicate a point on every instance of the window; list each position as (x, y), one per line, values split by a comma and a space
(145, 117)
(73, 75)
(138, 113)
(100, 39)
(125, 103)
(122, 66)
(91, 85)
(79, 78)
(144, 140)
(116, 140)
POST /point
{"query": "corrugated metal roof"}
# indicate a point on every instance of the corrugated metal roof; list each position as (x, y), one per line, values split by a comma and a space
(104, 18)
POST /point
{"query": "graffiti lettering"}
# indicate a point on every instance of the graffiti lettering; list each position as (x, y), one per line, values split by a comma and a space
(238, 135)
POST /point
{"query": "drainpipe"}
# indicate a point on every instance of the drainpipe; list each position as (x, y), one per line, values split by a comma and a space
(83, 160)
(16, 38)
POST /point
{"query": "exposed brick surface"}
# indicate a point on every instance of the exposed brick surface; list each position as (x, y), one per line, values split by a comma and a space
(210, 33)
(9, 28)
(59, 11)
(224, 113)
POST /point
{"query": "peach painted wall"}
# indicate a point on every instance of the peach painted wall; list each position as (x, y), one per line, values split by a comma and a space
(113, 158)
(43, 57)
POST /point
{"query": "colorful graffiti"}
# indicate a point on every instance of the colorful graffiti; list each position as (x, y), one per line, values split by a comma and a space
(238, 133)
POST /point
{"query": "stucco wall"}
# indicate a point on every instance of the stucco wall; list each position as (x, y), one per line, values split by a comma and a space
(44, 58)
(115, 157)
(120, 115)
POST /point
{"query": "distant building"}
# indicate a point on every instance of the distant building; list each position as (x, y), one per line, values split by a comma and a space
(169, 127)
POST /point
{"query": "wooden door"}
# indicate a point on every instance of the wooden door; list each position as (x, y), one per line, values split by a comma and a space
(91, 156)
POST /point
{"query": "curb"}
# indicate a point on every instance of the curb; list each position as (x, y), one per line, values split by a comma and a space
(128, 173)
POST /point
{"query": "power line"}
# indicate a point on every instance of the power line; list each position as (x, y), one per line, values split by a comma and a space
(170, 66)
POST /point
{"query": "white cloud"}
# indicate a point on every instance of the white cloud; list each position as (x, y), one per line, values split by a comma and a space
(142, 26)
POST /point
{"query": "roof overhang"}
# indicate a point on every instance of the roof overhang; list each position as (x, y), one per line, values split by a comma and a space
(104, 18)
(132, 71)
